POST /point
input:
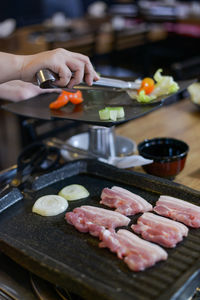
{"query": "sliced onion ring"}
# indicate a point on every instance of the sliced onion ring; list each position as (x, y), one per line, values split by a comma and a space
(74, 192)
(50, 205)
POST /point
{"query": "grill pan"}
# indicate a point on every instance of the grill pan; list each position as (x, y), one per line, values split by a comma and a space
(57, 252)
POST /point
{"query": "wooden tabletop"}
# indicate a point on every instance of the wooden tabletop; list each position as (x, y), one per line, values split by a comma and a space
(179, 120)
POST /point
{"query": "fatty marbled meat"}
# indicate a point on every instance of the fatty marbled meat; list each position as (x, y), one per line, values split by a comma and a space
(160, 230)
(137, 253)
(95, 219)
(179, 210)
(125, 202)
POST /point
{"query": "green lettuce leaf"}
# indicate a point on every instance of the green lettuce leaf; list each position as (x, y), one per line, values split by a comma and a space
(165, 85)
(143, 98)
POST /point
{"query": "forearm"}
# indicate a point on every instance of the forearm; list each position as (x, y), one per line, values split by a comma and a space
(71, 67)
(10, 66)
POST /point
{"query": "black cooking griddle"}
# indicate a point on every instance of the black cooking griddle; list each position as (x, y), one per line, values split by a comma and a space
(88, 111)
(57, 252)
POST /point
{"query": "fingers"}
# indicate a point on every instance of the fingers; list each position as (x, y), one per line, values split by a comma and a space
(65, 75)
(72, 68)
(90, 74)
(78, 73)
(82, 70)
(17, 90)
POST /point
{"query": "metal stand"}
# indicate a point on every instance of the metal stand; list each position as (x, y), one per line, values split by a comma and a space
(102, 141)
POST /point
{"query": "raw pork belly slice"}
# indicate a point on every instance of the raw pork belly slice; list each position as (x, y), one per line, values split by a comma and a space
(137, 253)
(125, 202)
(179, 210)
(160, 230)
(94, 219)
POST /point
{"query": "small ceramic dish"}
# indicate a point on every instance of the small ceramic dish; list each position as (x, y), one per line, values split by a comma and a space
(169, 156)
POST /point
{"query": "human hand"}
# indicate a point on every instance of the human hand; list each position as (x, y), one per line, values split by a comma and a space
(71, 68)
(17, 90)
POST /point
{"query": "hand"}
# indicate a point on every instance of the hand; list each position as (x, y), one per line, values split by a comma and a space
(17, 90)
(71, 68)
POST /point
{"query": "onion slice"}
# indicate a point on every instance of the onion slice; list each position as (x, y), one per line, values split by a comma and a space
(50, 205)
(74, 192)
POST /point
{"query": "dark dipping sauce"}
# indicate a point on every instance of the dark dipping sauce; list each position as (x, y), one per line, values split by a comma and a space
(163, 148)
(162, 151)
(168, 154)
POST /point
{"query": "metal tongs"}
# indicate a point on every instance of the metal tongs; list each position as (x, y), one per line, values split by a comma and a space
(120, 162)
(46, 78)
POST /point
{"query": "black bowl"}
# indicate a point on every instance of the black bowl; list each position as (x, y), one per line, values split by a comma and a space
(168, 154)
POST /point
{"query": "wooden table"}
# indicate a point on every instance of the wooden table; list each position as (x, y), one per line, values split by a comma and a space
(180, 120)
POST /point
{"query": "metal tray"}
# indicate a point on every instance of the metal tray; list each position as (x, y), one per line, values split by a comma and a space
(94, 100)
(57, 252)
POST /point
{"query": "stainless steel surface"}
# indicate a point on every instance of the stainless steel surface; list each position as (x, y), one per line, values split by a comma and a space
(4, 296)
(10, 287)
(111, 83)
(123, 146)
(43, 76)
(64, 295)
(102, 141)
(55, 142)
(100, 144)
(46, 78)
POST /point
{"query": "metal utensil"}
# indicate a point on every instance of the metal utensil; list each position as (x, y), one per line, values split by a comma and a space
(43, 289)
(35, 157)
(55, 142)
(4, 296)
(123, 145)
(64, 294)
(120, 162)
(102, 141)
(46, 79)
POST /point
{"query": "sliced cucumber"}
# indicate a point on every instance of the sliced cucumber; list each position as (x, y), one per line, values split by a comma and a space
(111, 113)
(74, 192)
(50, 205)
(119, 110)
(104, 114)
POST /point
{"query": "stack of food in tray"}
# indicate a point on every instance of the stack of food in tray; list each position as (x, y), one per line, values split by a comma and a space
(138, 253)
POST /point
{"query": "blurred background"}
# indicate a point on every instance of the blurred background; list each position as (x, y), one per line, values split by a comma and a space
(127, 39)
